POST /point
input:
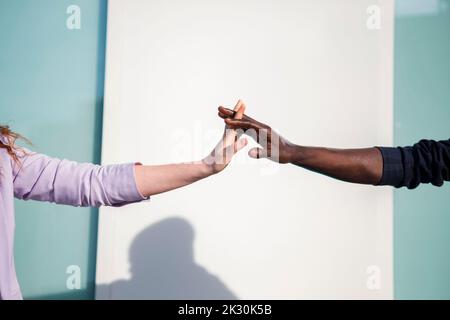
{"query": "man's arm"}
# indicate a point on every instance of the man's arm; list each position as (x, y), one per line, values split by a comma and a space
(427, 161)
(350, 165)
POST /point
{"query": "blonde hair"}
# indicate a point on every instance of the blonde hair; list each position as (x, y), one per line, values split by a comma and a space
(9, 142)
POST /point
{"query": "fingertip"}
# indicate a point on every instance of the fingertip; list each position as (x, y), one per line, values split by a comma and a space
(226, 111)
(240, 112)
(238, 105)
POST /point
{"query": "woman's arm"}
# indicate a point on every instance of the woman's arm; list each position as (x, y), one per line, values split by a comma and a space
(152, 180)
(169, 177)
(43, 178)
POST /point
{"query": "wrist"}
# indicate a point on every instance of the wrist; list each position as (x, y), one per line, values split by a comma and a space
(206, 167)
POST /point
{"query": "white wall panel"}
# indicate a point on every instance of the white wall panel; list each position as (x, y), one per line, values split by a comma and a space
(313, 70)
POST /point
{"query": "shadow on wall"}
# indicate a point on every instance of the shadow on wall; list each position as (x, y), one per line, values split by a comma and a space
(163, 267)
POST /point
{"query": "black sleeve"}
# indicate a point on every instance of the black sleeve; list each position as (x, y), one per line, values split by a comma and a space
(427, 161)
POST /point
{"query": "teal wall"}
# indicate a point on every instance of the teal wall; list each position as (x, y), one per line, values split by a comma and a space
(51, 90)
(422, 110)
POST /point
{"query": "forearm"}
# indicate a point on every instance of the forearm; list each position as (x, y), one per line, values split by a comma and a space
(352, 165)
(152, 180)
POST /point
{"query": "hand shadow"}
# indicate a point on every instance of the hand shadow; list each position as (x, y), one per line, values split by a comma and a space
(163, 267)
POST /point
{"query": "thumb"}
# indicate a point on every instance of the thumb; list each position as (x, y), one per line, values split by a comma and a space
(241, 143)
(231, 150)
(257, 153)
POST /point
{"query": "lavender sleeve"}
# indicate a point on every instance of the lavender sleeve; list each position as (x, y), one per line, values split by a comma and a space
(42, 178)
